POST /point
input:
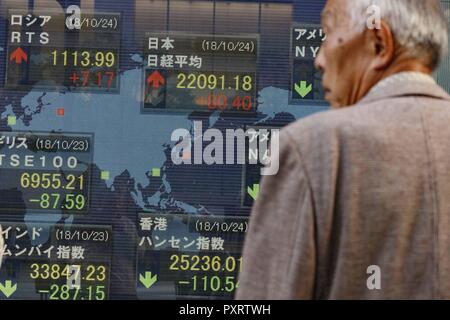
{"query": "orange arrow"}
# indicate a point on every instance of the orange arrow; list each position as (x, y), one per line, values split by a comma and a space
(18, 55)
(156, 78)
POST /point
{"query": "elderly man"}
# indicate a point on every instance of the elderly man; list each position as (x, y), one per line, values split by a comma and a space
(360, 208)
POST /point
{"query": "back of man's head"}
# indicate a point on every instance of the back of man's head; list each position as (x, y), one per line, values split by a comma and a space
(418, 25)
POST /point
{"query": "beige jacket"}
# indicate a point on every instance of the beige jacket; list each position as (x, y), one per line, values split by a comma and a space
(362, 186)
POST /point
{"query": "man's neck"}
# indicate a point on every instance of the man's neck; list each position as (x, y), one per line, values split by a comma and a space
(404, 66)
(399, 65)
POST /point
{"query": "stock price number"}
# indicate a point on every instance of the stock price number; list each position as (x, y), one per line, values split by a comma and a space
(67, 201)
(100, 79)
(202, 81)
(53, 181)
(58, 191)
(85, 58)
(91, 68)
(214, 284)
(222, 102)
(92, 280)
(65, 292)
(205, 263)
(209, 274)
(47, 271)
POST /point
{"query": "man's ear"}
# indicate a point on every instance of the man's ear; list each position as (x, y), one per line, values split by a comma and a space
(382, 45)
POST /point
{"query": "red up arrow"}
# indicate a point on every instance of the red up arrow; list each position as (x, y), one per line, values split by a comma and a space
(18, 55)
(156, 78)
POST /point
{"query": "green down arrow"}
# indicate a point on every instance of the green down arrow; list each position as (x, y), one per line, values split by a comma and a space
(303, 89)
(253, 192)
(8, 289)
(148, 280)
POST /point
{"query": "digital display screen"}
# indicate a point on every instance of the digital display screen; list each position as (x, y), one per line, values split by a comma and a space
(53, 50)
(189, 256)
(306, 79)
(56, 262)
(200, 73)
(131, 137)
(50, 171)
(256, 154)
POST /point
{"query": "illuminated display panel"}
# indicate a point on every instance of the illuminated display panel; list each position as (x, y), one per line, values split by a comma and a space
(200, 73)
(92, 204)
(51, 50)
(189, 256)
(306, 79)
(257, 142)
(56, 262)
(51, 171)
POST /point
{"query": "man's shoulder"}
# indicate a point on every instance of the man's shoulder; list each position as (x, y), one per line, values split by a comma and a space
(323, 123)
(374, 116)
(383, 122)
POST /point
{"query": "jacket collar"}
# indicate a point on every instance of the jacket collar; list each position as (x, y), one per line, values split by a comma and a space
(405, 84)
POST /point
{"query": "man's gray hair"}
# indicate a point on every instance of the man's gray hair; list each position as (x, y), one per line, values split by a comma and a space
(420, 26)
